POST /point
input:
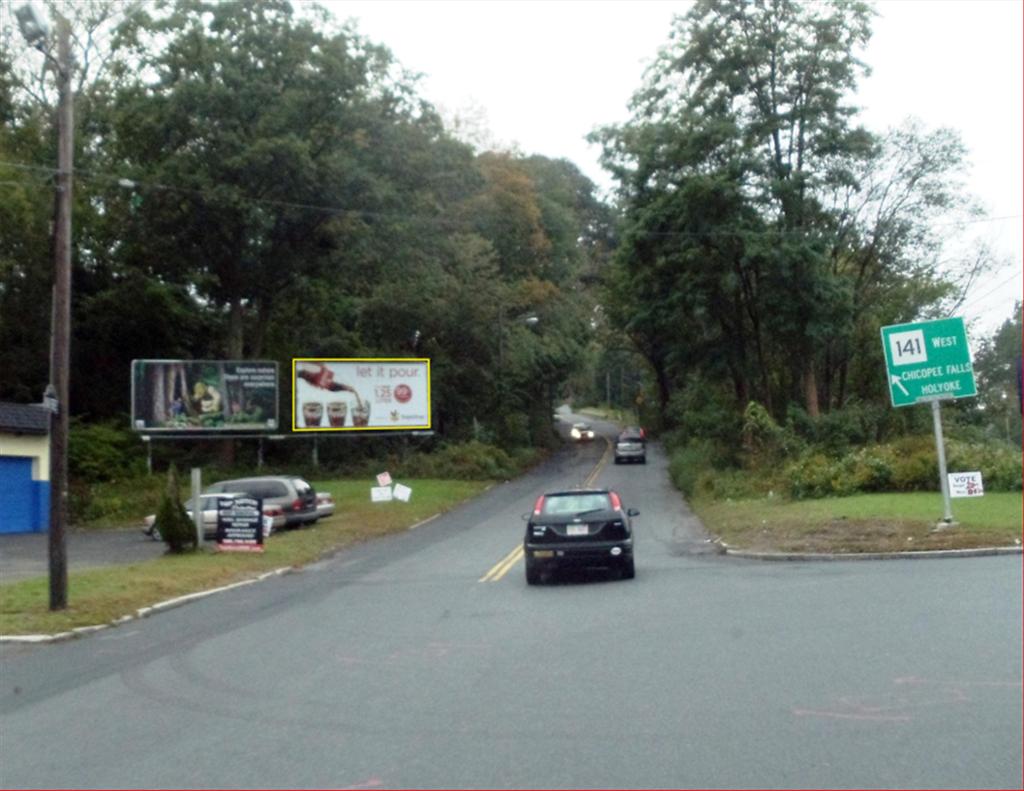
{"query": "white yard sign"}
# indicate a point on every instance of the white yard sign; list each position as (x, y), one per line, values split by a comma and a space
(380, 494)
(966, 484)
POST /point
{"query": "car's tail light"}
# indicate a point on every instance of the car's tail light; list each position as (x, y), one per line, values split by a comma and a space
(616, 502)
(538, 506)
(297, 505)
(273, 510)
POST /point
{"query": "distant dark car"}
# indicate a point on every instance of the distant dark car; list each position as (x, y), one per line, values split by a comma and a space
(580, 528)
(295, 496)
(631, 445)
(581, 432)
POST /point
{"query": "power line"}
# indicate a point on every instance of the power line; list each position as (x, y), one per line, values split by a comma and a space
(331, 209)
(990, 292)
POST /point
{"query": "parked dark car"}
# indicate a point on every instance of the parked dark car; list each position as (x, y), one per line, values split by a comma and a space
(294, 495)
(579, 528)
(631, 445)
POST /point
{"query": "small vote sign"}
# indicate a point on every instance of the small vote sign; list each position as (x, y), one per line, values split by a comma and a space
(966, 484)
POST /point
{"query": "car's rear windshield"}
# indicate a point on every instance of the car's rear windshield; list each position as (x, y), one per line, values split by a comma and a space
(575, 503)
(257, 488)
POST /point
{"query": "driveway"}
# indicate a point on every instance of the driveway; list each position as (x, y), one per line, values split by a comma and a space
(27, 555)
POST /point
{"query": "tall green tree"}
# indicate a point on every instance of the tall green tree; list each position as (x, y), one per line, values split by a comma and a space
(766, 235)
(268, 131)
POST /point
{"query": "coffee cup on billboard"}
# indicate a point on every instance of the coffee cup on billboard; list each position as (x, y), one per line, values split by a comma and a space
(312, 412)
(361, 414)
(336, 411)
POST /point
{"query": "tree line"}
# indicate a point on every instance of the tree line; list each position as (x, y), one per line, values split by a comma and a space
(766, 235)
(256, 181)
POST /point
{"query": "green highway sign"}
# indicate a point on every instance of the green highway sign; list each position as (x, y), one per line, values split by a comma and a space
(928, 361)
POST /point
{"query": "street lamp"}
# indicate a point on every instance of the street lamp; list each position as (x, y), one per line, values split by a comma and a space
(36, 32)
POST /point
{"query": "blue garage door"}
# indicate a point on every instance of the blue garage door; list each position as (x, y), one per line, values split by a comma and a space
(17, 495)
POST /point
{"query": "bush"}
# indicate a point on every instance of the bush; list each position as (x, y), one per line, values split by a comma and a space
(909, 464)
(467, 461)
(686, 464)
(176, 529)
(764, 440)
(102, 451)
(702, 412)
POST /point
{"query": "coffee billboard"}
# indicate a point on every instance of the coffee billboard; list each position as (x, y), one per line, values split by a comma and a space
(360, 394)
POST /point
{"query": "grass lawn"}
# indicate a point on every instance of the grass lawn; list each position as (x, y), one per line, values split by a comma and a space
(863, 523)
(101, 596)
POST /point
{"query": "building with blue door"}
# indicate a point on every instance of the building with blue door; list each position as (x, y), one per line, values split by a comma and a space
(24, 468)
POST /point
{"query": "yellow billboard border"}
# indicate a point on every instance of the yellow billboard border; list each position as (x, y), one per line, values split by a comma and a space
(350, 429)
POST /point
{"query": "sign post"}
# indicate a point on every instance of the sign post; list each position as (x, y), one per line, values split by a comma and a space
(929, 361)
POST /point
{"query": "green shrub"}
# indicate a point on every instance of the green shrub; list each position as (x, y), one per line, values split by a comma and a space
(102, 452)
(909, 464)
(734, 484)
(686, 464)
(466, 461)
(702, 412)
(176, 529)
(999, 463)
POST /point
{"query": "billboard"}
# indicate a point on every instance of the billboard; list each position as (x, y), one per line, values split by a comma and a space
(360, 394)
(219, 396)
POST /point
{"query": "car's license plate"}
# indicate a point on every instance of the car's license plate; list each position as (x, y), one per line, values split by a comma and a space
(543, 553)
(577, 530)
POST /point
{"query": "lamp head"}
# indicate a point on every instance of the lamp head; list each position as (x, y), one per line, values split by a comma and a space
(33, 24)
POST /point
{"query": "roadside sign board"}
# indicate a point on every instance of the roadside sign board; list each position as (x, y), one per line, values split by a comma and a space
(928, 361)
(966, 484)
(240, 524)
(204, 396)
(360, 394)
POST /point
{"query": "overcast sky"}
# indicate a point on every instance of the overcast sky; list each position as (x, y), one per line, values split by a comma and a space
(544, 73)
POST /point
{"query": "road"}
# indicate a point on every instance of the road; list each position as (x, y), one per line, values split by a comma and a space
(411, 663)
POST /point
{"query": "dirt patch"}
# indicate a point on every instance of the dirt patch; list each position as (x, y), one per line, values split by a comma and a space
(863, 535)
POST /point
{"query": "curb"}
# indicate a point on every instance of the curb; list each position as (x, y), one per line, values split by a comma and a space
(927, 554)
(143, 612)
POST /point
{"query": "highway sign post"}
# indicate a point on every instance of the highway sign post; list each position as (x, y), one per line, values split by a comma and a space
(929, 362)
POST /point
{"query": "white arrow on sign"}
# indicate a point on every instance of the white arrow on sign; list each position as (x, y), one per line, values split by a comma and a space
(899, 383)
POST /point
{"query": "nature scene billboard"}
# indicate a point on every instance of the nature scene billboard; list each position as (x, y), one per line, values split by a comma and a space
(204, 395)
(360, 394)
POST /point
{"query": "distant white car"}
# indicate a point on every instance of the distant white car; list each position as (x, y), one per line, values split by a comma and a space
(208, 504)
(324, 504)
(581, 431)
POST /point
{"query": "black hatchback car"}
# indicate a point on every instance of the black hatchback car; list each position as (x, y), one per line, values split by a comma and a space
(579, 528)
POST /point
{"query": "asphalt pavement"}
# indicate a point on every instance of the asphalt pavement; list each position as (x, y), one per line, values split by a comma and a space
(27, 555)
(425, 660)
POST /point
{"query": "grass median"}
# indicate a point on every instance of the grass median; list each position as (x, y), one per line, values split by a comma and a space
(863, 523)
(100, 596)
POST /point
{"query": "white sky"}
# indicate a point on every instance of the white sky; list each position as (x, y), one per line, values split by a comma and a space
(547, 72)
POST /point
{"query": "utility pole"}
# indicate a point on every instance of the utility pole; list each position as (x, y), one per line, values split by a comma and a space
(36, 32)
(60, 362)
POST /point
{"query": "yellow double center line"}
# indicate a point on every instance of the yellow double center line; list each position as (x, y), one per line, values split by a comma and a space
(502, 567)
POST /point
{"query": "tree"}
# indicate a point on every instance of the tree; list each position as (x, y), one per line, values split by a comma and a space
(766, 235)
(998, 368)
